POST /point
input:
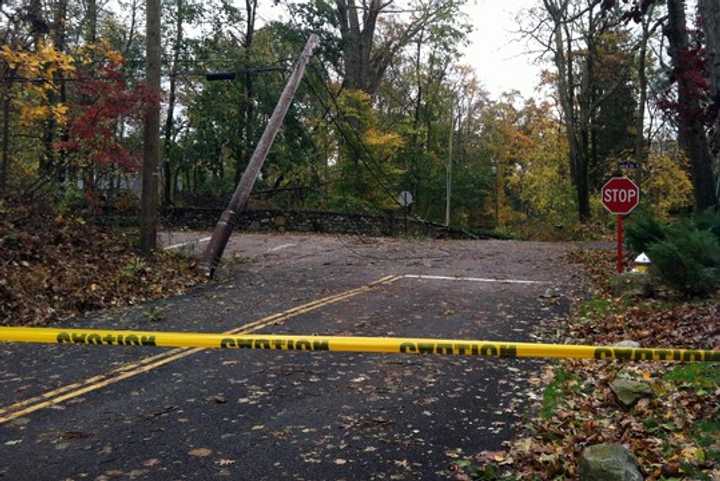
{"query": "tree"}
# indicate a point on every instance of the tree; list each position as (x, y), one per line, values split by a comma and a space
(573, 37)
(170, 116)
(373, 33)
(710, 14)
(690, 115)
(151, 130)
(695, 75)
(249, 98)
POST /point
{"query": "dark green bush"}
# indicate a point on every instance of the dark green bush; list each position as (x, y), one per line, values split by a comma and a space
(708, 220)
(643, 232)
(688, 260)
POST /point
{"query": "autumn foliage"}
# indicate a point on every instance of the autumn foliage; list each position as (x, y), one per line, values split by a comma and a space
(87, 96)
(105, 100)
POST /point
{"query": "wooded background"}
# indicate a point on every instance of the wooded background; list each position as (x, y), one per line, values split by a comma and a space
(386, 105)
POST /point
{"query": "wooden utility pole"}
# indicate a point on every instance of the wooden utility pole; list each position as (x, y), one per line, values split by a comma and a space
(224, 227)
(151, 131)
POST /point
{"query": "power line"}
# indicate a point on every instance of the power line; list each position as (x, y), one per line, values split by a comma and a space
(358, 140)
(208, 75)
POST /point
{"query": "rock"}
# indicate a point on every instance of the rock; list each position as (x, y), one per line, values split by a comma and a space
(628, 343)
(628, 391)
(550, 293)
(608, 462)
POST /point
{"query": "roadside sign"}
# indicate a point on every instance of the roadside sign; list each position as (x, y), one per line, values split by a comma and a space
(620, 195)
(629, 165)
(405, 198)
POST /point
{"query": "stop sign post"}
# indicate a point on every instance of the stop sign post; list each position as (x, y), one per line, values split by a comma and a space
(620, 196)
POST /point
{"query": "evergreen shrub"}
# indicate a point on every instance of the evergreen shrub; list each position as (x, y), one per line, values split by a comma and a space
(687, 260)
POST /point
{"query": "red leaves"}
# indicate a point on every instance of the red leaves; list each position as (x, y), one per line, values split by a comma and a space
(106, 101)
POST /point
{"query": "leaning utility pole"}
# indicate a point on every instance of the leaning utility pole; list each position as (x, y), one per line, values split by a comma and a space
(151, 131)
(224, 227)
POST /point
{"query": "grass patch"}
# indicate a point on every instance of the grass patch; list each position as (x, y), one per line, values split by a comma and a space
(555, 392)
(596, 308)
(698, 375)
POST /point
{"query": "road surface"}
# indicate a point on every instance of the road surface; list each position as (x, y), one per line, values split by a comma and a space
(99, 413)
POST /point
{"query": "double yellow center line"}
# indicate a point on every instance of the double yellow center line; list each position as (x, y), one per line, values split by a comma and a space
(127, 371)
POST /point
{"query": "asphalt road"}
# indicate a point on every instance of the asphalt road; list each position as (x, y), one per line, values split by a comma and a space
(75, 413)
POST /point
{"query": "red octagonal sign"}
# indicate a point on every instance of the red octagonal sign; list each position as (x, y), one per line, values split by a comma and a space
(620, 195)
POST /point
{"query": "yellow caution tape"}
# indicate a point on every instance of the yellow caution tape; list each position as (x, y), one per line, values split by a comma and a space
(99, 337)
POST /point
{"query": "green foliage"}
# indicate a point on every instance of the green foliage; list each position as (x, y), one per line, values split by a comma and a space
(709, 221)
(134, 267)
(556, 391)
(688, 260)
(697, 375)
(489, 472)
(643, 232)
(596, 308)
(72, 200)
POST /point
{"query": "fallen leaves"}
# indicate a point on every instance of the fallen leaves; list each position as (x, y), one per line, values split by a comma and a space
(675, 434)
(54, 268)
(200, 452)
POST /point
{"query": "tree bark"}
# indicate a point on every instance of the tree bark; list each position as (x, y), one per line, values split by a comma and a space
(170, 119)
(247, 129)
(59, 39)
(567, 95)
(640, 144)
(365, 59)
(691, 130)
(151, 130)
(710, 13)
(92, 21)
(5, 167)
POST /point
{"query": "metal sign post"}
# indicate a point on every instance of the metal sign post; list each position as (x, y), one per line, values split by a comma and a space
(620, 196)
(405, 199)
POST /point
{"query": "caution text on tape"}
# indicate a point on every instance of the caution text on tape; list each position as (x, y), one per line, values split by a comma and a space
(492, 349)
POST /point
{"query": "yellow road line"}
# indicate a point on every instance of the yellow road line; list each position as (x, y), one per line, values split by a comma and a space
(73, 390)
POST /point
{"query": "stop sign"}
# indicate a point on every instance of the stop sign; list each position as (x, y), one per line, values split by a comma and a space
(620, 195)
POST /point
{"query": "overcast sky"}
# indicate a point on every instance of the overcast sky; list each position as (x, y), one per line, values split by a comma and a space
(496, 51)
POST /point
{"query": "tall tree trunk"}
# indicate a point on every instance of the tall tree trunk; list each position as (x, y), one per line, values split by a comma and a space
(566, 93)
(131, 29)
(413, 167)
(92, 21)
(151, 130)
(5, 167)
(710, 12)
(170, 119)
(248, 91)
(691, 131)
(641, 152)
(59, 39)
